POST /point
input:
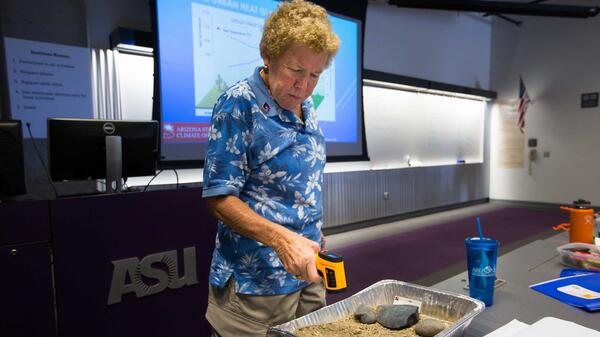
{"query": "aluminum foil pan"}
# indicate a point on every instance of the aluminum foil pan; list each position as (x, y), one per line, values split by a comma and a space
(448, 306)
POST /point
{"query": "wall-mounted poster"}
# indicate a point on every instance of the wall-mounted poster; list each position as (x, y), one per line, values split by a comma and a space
(509, 139)
(47, 80)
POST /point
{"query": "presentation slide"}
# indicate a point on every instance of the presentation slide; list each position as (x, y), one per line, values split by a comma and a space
(205, 46)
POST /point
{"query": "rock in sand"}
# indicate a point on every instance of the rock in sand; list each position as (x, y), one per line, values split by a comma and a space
(396, 317)
(365, 314)
(429, 327)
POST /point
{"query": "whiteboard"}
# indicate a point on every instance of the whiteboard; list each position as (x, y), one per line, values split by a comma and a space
(428, 129)
(431, 129)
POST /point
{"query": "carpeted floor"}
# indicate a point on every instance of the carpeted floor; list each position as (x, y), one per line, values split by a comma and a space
(415, 254)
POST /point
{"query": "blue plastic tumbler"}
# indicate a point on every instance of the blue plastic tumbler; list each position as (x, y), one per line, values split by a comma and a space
(481, 267)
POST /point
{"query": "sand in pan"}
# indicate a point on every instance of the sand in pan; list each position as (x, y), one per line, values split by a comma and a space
(349, 327)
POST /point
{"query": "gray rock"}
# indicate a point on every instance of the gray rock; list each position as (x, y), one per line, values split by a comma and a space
(397, 316)
(365, 314)
(429, 327)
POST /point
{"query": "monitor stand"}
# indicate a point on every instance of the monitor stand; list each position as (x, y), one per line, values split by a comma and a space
(114, 164)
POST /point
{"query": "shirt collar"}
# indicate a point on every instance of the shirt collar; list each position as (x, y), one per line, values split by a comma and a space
(267, 104)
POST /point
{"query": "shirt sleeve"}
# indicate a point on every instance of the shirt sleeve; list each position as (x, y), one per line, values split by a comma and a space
(226, 163)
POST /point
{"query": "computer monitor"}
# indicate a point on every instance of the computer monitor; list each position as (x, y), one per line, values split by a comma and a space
(12, 168)
(81, 149)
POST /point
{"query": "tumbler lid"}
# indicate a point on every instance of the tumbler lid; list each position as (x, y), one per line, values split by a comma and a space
(486, 243)
(581, 204)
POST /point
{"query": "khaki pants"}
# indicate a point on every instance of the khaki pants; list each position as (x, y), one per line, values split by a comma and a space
(236, 315)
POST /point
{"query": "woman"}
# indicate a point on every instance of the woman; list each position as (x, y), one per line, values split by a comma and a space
(262, 180)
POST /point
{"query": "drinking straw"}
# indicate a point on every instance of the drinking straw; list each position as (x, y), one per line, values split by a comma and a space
(479, 229)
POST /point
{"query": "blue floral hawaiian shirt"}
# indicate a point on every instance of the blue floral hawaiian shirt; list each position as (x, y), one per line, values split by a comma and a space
(274, 162)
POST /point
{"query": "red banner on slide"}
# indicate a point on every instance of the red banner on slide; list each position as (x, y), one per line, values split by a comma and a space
(185, 132)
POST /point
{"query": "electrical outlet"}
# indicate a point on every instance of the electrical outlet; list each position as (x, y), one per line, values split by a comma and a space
(386, 195)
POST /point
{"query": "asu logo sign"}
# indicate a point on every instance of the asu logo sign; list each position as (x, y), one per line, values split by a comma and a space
(153, 274)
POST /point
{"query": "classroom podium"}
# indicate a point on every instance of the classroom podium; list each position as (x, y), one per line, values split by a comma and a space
(131, 264)
(27, 308)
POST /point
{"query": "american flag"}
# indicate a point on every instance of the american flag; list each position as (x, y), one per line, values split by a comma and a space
(523, 103)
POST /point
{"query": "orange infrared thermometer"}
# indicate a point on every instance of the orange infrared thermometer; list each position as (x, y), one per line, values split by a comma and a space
(330, 267)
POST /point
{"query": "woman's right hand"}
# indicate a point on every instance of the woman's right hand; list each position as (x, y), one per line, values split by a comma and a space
(297, 254)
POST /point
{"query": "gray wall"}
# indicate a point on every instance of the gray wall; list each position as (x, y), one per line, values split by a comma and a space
(56, 21)
(355, 197)
(558, 61)
(436, 45)
(103, 16)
